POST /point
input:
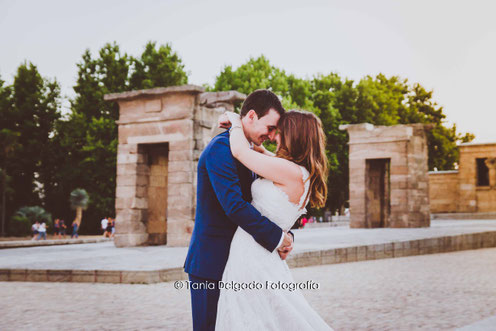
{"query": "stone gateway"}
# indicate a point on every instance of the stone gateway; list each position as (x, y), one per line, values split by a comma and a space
(162, 132)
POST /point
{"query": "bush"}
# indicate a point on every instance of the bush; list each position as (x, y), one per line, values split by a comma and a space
(25, 217)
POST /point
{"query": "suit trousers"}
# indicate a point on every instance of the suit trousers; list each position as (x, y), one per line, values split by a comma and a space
(204, 298)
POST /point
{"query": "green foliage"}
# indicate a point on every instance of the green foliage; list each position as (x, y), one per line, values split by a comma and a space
(378, 100)
(157, 68)
(26, 216)
(255, 74)
(108, 73)
(29, 110)
(20, 226)
(45, 157)
(89, 136)
(79, 198)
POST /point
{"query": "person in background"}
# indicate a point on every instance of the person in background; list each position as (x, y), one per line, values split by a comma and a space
(113, 228)
(56, 228)
(62, 228)
(104, 222)
(34, 230)
(42, 231)
(108, 230)
(304, 221)
(74, 229)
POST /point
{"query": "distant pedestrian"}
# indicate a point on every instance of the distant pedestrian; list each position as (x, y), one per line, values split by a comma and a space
(42, 231)
(108, 230)
(34, 230)
(75, 229)
(113, 227)
(304, 221)
(56, 228)
(104, 223)
(63, 228)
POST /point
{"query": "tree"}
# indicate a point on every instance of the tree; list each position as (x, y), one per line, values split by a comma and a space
(327, 96)
(8, 141)
(79, 200)
(160, 67)
(88, 137)
(378, 100)
(30, 109)
(442, 140)
(254, 74)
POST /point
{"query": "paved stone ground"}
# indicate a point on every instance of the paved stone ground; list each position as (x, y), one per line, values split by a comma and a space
(105, 256)
(429, 292)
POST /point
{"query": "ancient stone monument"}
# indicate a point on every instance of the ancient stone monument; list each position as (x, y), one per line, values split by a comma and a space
(471, 188)
(162, 132)
(389, 184)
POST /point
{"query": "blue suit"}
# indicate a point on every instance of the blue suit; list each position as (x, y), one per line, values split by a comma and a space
(223, 204)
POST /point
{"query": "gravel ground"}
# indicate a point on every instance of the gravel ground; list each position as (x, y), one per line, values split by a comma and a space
(430, 292)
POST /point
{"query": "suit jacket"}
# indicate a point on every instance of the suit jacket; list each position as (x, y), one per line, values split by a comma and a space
(223, 202)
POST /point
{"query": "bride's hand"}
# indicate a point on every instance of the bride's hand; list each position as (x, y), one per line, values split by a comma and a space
(224, 122)
(286, 246)
(234, 118)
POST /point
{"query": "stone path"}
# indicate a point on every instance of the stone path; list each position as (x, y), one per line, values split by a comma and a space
(428, 292)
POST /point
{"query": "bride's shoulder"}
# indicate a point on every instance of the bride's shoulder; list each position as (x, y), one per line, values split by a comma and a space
(296, 170)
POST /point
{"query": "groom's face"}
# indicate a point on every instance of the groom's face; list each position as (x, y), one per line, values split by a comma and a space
(258, 130)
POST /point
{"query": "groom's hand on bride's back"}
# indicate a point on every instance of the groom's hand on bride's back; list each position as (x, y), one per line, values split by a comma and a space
(286, 246)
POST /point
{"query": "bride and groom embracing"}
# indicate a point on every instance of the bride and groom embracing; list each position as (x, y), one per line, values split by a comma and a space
(247, 200)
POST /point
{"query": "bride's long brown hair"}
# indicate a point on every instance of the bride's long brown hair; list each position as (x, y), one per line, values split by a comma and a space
(303, 142)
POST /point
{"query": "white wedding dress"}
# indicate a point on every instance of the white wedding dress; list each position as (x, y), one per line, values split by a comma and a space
(265, 308)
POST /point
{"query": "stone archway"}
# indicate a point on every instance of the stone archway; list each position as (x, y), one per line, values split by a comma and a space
(389, 183)
(162, 132)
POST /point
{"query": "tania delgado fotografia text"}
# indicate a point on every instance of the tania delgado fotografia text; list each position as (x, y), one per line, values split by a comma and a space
(253, 285)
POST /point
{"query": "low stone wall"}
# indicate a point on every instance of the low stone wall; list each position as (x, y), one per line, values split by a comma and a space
(395, 249)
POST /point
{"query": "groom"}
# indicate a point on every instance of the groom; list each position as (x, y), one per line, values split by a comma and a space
(223, 204)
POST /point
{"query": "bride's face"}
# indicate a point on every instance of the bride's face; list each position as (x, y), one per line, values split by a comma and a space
(278, 139)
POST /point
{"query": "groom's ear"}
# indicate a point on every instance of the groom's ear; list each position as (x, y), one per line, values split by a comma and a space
(252, 115)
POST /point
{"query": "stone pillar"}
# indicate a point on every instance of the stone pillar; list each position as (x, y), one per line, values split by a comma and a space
(491, 165)
(162, 132)
(467, 172)
(398, 155)
(475, 198)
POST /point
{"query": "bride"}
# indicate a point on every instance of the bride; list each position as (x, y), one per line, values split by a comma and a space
(288, 180)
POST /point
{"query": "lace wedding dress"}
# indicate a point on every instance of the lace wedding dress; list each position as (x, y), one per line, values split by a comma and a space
(267, 306)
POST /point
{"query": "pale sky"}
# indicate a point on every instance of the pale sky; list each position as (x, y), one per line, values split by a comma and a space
(446, 45)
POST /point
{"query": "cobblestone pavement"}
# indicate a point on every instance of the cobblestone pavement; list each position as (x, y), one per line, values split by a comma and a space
(439, 291)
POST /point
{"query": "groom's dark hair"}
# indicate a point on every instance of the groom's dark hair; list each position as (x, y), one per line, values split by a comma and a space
(261, 101)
